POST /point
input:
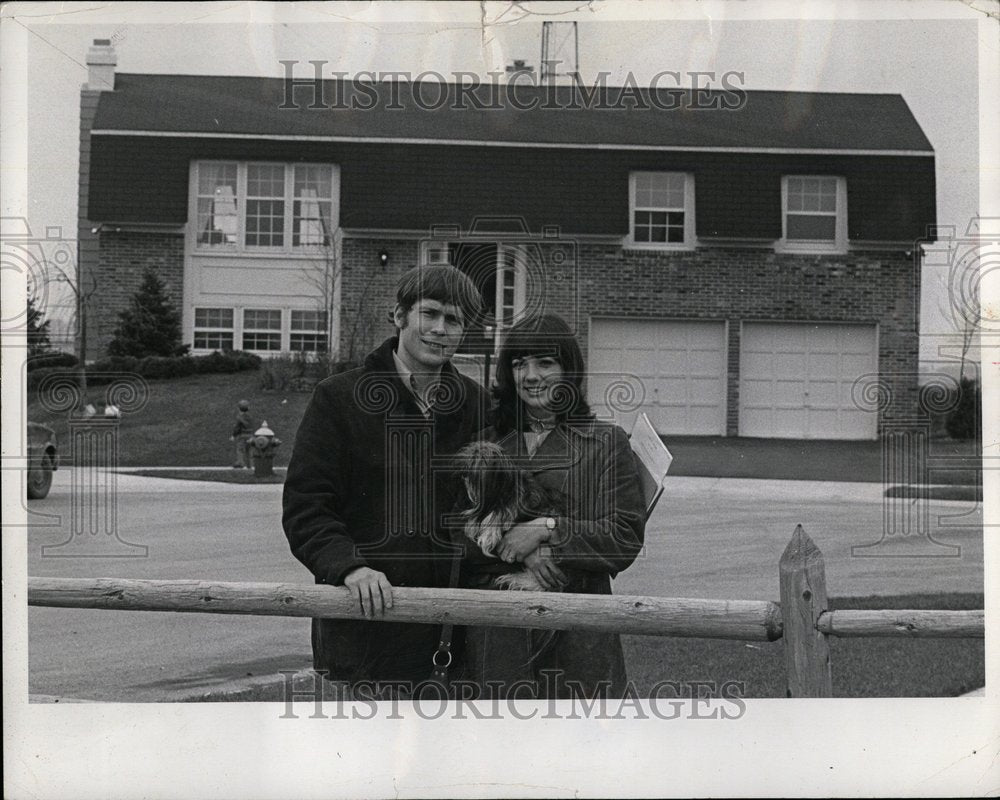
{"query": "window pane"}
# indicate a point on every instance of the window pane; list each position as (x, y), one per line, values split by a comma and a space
(265, 223)
(261, 341)
(308, 342)
(265, 180)
(212, 176)
(811, 227)
(828, 200)
(213, 340)
(311, 222)
(262, 319)
(313, 181)
(217, 204)
(659, 190)
(675, 226)
(213, 318)
(810, 202)
(308, 321)
(812, 194)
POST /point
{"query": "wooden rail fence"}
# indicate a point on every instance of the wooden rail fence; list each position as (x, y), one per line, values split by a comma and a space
(802, 619)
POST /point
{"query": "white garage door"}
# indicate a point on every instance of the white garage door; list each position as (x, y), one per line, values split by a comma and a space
(680, 366)
(796, 379)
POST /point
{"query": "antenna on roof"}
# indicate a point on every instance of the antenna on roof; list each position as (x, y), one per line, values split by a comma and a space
(560, 51)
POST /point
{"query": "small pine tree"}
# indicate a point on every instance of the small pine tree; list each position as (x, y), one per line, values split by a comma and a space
(38, 330)
(151, 326)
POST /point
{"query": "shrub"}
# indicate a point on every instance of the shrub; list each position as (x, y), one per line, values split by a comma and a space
(151, 326)
(964, 421)
(276, 374)
(153, 367)
(38, 329)
(51, 358)
(115, 364)
(36, 376)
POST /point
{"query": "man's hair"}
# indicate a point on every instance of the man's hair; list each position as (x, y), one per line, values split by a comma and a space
(443, 283)
(545, 335)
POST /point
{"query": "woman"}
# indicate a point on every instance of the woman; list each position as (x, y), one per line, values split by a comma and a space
(593, 532)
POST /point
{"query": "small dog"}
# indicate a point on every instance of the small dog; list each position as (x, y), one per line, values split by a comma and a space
(498, 496)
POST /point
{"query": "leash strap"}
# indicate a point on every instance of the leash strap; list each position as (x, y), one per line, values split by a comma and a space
(442, 656)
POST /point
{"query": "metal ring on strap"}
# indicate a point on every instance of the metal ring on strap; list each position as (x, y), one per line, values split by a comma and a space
(434, 658)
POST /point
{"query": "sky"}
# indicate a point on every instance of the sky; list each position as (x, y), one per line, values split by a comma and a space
(931, 62)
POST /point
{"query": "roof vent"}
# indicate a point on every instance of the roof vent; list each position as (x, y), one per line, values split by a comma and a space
(101, 62)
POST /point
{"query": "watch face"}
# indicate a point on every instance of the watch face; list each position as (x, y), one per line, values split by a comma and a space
(550, 523)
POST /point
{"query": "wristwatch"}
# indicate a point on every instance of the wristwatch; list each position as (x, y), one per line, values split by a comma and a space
(550, 523)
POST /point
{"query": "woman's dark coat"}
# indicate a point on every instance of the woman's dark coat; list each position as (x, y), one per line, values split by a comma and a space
(599, 534)
(366, 486)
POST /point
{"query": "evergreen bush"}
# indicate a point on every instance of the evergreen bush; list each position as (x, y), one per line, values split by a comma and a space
(151, 326)
(964, 421)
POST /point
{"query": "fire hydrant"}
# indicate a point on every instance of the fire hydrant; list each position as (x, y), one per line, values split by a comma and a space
(262, 446)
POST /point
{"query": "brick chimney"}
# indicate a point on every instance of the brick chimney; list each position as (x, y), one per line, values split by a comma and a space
(101, 61)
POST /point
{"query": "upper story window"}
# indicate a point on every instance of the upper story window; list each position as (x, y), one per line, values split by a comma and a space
(255, 206)
(661, 207)
(814, 213)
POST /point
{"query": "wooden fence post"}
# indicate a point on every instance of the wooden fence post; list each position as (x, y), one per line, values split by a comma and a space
(803, 599)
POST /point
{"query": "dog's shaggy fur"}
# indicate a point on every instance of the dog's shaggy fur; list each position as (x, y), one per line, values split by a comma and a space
(498, 496)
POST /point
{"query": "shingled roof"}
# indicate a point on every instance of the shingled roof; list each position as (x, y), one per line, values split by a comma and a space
(252, 107)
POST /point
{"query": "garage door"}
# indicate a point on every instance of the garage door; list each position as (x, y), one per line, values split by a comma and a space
(796, 379)
(681, 367)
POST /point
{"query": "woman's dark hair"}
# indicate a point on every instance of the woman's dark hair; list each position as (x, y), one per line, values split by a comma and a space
(544, 335)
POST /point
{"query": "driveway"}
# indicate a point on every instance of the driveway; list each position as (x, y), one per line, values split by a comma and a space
(708, 537)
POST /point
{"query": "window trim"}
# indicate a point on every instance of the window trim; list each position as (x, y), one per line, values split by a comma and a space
(690, 237)
(839, 242)
(287, 248)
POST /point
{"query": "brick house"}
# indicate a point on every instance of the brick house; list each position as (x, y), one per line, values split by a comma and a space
(745, 262)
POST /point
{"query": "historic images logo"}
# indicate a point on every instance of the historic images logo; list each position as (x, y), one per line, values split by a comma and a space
(520, 90)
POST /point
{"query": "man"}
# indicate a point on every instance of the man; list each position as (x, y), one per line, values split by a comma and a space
(367, 485)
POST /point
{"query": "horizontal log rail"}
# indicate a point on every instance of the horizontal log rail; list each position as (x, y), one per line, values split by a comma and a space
(904, 624)
(802, 620)
(753, 620)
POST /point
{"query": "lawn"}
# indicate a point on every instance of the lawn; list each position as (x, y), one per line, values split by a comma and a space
(186, 423)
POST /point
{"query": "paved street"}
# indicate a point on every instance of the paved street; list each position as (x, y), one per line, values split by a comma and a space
(708, 538)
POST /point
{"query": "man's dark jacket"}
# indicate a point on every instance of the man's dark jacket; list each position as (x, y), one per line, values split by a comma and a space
(367, 485)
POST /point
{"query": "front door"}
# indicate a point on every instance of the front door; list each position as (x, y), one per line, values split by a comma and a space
(510, 289)
(499, 272)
